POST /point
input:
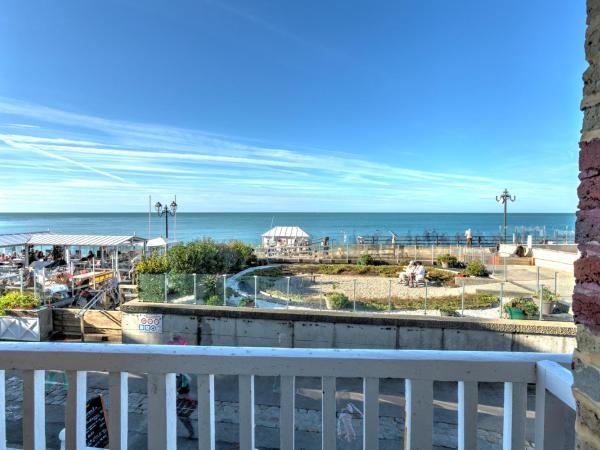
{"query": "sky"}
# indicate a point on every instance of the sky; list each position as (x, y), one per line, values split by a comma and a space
(265, 105)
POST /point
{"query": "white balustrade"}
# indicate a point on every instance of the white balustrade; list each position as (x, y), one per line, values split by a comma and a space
(161, 363)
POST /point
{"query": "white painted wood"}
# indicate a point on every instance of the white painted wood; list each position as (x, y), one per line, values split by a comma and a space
(515, 410)
(206, 412)
(162, 419)
(75, 415)
(412, 364)
(371, 413)
(118, 392)
(553, 398)
(557, 380)
(246, 402)
(2, 410)
(287, 410)
(34, 414)
(328, 414)
(419, 415)
(467, 415)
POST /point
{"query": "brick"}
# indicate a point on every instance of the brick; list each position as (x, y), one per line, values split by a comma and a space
(586, 378)
(588, 412)
(589, 249)
(587, 227)
(586, 311)
(589, 155)
(589, 193)
(587, 341)
(587, 269)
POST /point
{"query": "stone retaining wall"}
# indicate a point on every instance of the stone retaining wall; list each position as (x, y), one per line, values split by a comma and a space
(314, 329)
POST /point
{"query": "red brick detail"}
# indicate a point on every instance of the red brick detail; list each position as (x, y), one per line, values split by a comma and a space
(587, 269)
(588, 226)
(589, 155)
(589, 193)
(586, 310)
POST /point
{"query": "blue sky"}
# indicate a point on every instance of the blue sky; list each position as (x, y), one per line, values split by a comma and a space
(290, 106)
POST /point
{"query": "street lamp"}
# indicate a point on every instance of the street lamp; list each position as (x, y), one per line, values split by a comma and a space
(166, 211)
(504, 198)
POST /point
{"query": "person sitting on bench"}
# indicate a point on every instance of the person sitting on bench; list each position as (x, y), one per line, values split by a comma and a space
(419, 276)
(407, 276)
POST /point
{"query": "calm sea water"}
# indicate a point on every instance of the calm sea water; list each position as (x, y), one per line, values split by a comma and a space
(249, 226)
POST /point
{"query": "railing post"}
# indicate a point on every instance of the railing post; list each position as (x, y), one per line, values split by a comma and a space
(287, 291)
(389, 295)
(354, 295)
(206, 412)
(246, 411)
(255, 289)
(541, 295)
(467, 415)
(195, 289)
(555, 283)
(162, 419)
(2, 410)
(371, 413)
(426, 288)
(286, 413)
(328, 414)
(34, 412)
(21, 282)
(419, 414)
(224, 289)
(118, 424)
(75, 422)
(462, 298)
(501, 298)
(515, 408)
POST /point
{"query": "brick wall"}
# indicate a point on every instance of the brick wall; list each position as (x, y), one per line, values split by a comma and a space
(586, 298)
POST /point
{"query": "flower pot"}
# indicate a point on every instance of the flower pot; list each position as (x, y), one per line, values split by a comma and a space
(445, 265)
(515, 313)
(547, 307)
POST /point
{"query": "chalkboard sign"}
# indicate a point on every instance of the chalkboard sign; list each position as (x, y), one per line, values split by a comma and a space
(96, 430)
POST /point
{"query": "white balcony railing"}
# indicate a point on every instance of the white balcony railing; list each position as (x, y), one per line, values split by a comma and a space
(161, 364)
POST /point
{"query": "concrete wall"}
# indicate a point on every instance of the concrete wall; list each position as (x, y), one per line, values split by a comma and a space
(302, 329)
(555, 260)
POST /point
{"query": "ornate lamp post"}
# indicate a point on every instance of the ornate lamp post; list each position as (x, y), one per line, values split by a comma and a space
(504, 198)
(166, 211)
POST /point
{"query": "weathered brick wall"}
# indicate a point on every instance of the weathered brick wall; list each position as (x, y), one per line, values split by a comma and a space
(586, 298)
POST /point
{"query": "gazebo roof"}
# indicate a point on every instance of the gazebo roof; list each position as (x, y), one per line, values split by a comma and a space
(83, 240)
(286, 232)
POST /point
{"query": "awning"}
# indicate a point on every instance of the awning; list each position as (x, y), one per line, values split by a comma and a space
(161, 242)
(286, 232)
(83, 240)
(17, 239)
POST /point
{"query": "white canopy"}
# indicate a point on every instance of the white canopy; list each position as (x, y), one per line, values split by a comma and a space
(286, 233)
(17, 239)
(162, 242)
(83, 240)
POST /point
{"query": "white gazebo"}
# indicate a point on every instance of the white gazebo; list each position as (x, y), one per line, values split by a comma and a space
(284, 236)
(161, 243)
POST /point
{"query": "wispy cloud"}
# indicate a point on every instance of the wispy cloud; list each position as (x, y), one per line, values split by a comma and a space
(89, 156)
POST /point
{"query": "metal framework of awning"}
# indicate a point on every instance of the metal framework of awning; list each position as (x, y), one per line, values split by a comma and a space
(68, 240)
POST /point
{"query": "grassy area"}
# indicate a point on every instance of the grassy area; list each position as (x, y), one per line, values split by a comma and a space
(450, 303)
(442, 277)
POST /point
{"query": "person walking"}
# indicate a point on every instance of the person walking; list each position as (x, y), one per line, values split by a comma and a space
(469, 237)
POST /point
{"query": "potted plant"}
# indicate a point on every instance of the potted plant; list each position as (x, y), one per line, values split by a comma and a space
(476, 268)
(548, 300)
(447, 261)
(521, 308)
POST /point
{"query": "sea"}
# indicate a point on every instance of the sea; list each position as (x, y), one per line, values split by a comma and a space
(248, 227)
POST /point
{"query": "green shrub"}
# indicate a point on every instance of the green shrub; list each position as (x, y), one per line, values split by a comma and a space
(246, 252)
(452, 261)
(338, 300)
(208, 286)
(527, 305)
(441, 277)
(476, 269)
(153, 264)
(213, 300)
(16, 300)
(181, 283)
(246, 301)
(151, 287)
(365, 260)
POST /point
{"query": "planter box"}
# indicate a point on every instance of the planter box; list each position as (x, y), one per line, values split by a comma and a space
(516, 313)
(33, 325)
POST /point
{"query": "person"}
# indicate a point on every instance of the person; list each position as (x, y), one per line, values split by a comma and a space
(469, 236)
(185, 405)
(419, 273)
(407, 276)
(90, 255)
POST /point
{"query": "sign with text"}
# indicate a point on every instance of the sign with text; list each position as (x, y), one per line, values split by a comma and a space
(96, 426)
(150, 323)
